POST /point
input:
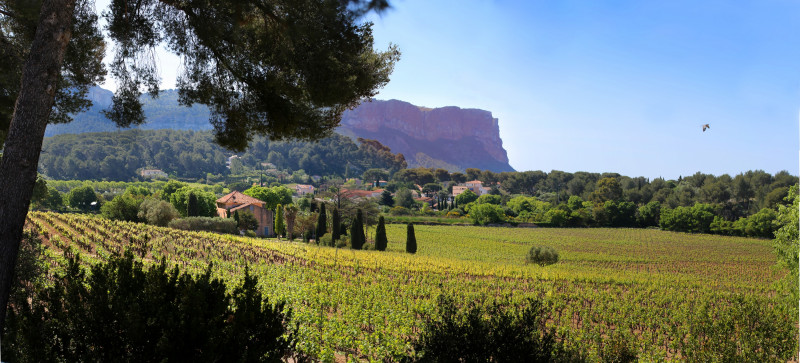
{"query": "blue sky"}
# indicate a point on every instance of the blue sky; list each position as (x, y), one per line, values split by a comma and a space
(609, 86)
(619, 86)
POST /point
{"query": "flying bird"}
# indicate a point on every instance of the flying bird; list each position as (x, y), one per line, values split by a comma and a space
(705, 127)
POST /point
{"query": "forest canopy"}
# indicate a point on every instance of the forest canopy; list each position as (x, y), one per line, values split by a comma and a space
(192, 154)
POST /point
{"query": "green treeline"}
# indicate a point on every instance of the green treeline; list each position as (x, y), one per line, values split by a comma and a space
(744, 205)
(117, 156)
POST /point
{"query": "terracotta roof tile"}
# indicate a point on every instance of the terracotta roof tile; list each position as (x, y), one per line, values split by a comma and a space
(238, 198)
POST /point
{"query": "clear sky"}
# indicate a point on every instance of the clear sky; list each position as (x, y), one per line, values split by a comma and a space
(609, 86)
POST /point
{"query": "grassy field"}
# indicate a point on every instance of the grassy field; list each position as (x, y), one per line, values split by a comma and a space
(670, 296)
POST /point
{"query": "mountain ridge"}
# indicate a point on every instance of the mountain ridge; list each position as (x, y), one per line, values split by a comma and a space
(451, 137)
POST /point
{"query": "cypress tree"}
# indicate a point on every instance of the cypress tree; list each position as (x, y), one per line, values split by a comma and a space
(335, 225)
(236, 217)
(380, 235)
(354, 243)
(280, 227)
(357, 237)
(322, 222)
(361, 237)
(411, 240)
(192, 207)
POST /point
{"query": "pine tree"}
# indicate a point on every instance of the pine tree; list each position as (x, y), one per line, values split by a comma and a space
(322, 222)
(192, 209)
(280, 227)
(411, 240)
(380, 235)
(335, 226)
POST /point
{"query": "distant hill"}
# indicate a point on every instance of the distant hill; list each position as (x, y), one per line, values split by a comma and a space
(193, 154)
(163, 112)
(451, 138)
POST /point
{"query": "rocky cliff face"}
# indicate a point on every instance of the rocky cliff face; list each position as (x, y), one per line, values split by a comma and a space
(449, 137)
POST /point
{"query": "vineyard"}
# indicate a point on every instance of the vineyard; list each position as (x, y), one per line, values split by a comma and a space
(672, 296)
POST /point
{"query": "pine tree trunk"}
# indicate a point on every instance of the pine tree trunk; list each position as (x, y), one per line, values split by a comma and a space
(24, 142)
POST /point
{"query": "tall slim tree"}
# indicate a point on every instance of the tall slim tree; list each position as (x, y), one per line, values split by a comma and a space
(380, 235)
(285, 74)
(411, 239)
(360, 230)
(290, 213)
(335, 225)
(280, 227)
(322, 222)
(357, 238)
(192, 209)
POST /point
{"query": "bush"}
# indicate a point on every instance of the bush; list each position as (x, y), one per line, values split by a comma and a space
(487, 213)
(489, 334)
(542, 256)
(157, 212)
(343, 241)
(250, 233)
(216, 224)
(120, 312)
(453, 214)
(326, 240)
(400, 211)
(696, 219)
(618, 349)
(124, 207)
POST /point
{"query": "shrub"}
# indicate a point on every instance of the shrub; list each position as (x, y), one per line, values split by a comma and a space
(475, 333)
(216, 224)
(542, 256)
(250, 233)
(124, 207)
(157, 212)
(453, 214)
(487, 213)
(326, 240)
(696, 219)
(618, 349)
(556, 217)
(343, 241)
(120, 312)
(399, 211)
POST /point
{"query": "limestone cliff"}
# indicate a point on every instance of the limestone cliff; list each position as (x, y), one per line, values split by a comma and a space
(440, 137)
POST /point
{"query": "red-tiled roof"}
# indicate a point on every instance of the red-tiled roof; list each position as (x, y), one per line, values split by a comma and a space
(358, 193)
(243, 206)
(238, 198)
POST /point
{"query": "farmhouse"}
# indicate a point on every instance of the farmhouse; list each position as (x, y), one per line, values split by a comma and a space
(361, 194)
(153, 173)
(236, 201)
(303, 189)
(476, 186)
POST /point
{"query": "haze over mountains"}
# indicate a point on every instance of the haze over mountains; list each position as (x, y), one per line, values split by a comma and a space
(449, 137)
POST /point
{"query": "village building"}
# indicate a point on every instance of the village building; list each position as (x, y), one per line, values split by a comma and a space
(303, 189)
(476, 186)
(356, 193)
(153, 173)
(236, 201)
